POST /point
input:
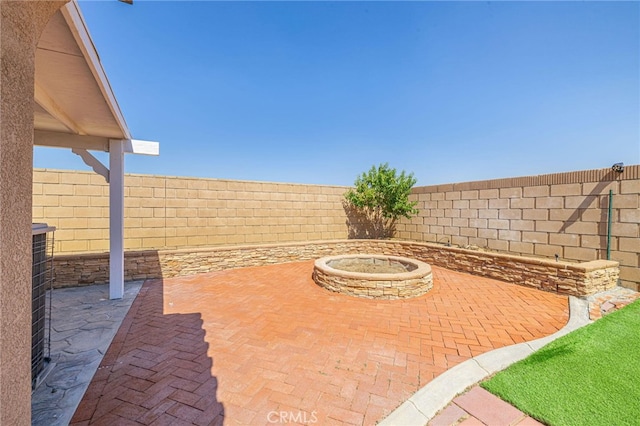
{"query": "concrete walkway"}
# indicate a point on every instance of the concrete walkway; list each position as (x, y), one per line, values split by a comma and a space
(83, 324)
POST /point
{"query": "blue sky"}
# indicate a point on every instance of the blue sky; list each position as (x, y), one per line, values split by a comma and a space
(318, 92)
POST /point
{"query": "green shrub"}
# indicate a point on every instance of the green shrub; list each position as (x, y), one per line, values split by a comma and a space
(380, 197)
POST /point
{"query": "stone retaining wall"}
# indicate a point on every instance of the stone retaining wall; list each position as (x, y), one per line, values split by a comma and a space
(577, 279)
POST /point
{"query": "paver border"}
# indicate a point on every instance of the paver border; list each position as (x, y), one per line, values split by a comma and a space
(423, 405)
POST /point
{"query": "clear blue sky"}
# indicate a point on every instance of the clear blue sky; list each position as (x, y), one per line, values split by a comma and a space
(318, 92)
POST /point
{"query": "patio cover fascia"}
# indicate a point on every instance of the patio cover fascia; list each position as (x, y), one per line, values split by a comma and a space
(76, 108)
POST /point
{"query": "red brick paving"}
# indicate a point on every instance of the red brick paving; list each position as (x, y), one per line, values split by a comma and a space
(265, 345)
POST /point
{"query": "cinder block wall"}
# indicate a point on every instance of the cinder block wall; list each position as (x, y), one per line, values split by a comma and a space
(163, 212)
(564, 214)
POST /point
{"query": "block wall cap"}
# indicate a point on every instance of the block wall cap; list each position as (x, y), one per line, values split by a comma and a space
(598, 264)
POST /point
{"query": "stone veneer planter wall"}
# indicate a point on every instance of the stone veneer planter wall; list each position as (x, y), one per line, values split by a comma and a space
(577, 279)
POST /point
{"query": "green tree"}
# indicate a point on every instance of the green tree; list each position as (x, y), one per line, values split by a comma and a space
(380, 197)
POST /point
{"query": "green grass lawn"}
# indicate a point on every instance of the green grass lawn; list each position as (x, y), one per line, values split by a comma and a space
(588, 377)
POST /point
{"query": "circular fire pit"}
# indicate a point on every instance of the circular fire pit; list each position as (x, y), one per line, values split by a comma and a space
(373, 276)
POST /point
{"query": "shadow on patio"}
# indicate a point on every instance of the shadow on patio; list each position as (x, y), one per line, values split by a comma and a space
(157, 369)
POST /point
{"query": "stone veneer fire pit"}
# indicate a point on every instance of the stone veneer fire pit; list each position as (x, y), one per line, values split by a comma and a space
(373, 276)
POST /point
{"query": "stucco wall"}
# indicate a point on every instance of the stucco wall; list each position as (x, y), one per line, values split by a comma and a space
(564, 214)
(20, 26)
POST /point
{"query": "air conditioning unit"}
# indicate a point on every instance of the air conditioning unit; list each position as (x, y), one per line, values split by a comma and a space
(41, 281)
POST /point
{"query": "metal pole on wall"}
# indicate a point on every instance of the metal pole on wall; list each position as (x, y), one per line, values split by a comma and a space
(609, 225)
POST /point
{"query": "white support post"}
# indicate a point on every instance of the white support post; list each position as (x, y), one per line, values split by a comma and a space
(116, 219)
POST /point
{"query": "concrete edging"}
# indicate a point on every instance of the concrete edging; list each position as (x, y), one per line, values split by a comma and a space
(437, 394)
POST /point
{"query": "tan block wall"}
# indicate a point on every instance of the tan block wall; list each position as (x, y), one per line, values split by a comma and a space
(541, 216)
(563, 214)
(163, 212)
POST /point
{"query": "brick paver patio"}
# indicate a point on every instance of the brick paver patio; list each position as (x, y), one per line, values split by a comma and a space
(266, 345)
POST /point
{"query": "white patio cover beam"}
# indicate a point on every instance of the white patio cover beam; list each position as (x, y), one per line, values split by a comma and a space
(68, 140)
(140, 147)
(92, 143)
